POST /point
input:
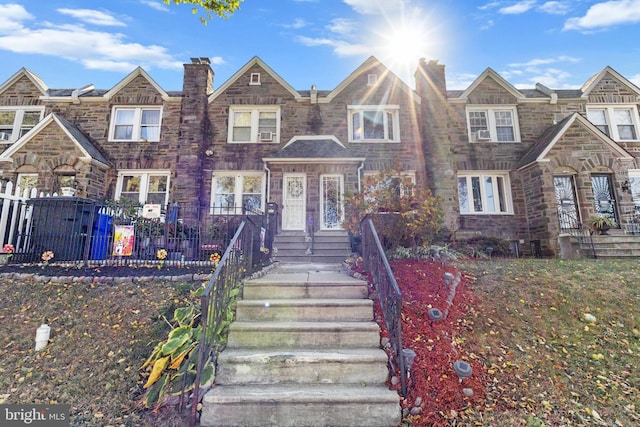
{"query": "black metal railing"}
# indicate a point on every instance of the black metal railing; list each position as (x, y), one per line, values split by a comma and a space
(573, 226)
(388, 293)
(239, 260)
(86, 232)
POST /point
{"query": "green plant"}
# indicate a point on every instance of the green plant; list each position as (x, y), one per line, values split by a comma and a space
(598, 222)
(172, 365)
(403, 213)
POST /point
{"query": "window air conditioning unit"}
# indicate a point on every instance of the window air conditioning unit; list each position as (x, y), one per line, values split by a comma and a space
(266, 136)
(483, 135)
(4, 136)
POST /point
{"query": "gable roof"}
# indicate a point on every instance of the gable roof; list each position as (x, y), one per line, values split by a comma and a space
(489, 73)
(551, 136)
(129, 78)
(37, 82)
(313, 148)
(89, 150)
(254, 61)
(595, 79)
(368, 64)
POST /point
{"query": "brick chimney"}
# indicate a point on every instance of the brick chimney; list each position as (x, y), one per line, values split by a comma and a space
(430, 78)
(195, 133)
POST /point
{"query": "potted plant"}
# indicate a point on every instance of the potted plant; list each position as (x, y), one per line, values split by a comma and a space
(602, 224)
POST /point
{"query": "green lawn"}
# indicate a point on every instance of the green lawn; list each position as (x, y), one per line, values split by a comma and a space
(548, 361)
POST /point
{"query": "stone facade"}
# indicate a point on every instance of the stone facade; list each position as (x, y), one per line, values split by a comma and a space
(513, 186)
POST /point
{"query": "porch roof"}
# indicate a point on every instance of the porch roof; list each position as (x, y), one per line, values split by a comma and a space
(313, 148)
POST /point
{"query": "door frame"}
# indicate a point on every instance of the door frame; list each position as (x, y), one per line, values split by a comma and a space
(285, 210)
(323, 225)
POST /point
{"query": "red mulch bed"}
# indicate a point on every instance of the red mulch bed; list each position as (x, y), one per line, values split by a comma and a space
(437, 345)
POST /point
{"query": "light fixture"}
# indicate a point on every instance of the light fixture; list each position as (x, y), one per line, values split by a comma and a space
(626, 187)
(462, 369)
(409, 357)
(448, 279)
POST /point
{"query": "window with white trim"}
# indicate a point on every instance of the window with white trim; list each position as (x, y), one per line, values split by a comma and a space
(135, 123)
(496, 123)
(17, 121)
(27, 181)
(143, 186)
(634, 185)
(233, 191)
(253, 124)
(401, 185)
(619, 122)
(487, 192)
(374, 123)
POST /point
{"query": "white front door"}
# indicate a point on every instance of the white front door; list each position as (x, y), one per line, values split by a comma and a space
(331, 197)
(294, 207)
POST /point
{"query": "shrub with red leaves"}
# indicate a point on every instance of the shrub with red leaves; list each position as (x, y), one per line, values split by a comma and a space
(433, 386)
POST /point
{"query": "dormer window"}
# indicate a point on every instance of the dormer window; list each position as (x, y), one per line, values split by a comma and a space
(255, 79)
(619, 122)
(372, 79)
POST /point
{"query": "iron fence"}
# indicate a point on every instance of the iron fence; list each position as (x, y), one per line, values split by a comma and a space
(388, 294)
(86, 232)
(573, 226)
(237, 262)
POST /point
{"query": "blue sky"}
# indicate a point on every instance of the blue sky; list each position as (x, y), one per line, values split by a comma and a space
(71, 43)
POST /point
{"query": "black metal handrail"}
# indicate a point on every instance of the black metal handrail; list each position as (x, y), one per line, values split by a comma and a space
(573, 226)
(236, 263)
(388, 293)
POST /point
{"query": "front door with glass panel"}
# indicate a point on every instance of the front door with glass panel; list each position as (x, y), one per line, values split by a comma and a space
(331, 207)
(294, 195)
(566, 198)
(603, 196)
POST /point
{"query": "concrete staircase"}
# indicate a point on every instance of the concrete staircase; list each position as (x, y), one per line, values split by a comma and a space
(615, 244)
(304, 351)
(326, 247)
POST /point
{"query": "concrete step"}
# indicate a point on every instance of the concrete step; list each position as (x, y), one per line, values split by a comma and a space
(293, 366)
(300, 406)
(305, 285)
(344, 310)
(303, 335)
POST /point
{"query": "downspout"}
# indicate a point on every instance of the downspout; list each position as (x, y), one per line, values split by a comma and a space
(266, 168)
(359, 179)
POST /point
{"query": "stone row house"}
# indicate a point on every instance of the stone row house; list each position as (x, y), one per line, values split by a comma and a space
(519, 164)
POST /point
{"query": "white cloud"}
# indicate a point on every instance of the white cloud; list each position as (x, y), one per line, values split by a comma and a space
(11, 17)
(297, 24)
(635, 80)
(554, 8)
(93, 49)
(157, 5)
(489, 5)
(518, 8)
(546, 61)
(342, 26)
(487, 24)
(606, 14)
(218, 60)
(94, 17)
